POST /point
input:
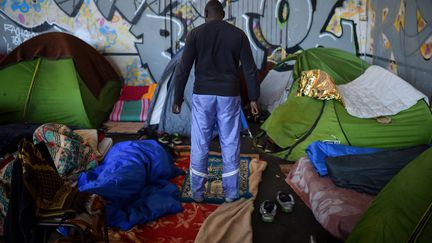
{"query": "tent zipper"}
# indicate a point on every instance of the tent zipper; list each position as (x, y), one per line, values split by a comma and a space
(35, 72)
(421, 225)
(308, 133)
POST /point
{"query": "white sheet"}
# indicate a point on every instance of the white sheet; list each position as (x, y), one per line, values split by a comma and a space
(274, 89)
(160, 103)
(378, 92)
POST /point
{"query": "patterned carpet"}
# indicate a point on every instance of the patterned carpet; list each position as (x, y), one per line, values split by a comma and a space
(214, 191)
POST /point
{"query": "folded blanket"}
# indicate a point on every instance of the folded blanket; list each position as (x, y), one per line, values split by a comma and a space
(378, 92)
(232, 222)
(130, 110)
(337, 209)
(319, 151)
(369, 173)
(70, 152)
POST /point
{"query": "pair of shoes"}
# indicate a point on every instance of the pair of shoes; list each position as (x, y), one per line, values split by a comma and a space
(175, 139)
(268, 211)
(286, 201)
(268, 208)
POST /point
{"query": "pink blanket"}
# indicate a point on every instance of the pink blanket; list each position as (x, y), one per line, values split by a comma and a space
(336, 209)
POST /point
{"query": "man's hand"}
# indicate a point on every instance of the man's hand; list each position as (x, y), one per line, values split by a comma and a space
(254, 108)
(176, 108)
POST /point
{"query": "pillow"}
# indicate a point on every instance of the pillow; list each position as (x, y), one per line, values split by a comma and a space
(402, 210)
(319, 85)
(133, 92)
(130, 111)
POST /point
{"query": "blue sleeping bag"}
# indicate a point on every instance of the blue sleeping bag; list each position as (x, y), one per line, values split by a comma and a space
(134, 180)
(318, 151)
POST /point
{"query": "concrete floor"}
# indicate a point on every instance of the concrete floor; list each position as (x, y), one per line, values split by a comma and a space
(298, 226)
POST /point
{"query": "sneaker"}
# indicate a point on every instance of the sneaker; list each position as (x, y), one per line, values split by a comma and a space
(268, 211)
(270, 147)
(263, 116)
(177, 139)
(165, 138)
(261, 142)
(256, 118)
(286, 201)
(244, 133)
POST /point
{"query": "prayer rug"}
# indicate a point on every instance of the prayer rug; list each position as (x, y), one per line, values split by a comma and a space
(214, 191)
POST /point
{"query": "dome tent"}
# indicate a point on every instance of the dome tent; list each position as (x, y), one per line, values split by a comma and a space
(56, 77)
(302, 120)
(160, 112)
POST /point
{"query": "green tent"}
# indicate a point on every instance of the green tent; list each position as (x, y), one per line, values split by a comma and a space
(57, 78)
(402, 211)
(302, 120)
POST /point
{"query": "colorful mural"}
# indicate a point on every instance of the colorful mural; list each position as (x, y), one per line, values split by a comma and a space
(352, 10)
(140, 36)
(421, 23)
(403, 40)
(426, 48)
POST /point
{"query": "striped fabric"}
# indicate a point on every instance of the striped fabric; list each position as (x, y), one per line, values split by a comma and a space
(130, 111)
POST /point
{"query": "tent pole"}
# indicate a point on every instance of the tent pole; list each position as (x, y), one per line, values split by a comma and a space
(32, 83)
(171, 29)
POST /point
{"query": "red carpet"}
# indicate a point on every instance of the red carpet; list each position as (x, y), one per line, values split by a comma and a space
(181, 227)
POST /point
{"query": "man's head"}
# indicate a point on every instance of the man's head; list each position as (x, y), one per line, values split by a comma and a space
(214, 11)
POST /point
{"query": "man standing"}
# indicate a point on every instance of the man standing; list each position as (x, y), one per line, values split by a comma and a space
(216, 47)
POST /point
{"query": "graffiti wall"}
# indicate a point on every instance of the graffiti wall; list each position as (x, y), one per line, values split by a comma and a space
(140, 36)
(402, 34)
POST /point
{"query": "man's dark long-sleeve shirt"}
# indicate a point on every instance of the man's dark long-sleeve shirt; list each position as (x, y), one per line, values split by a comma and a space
(217, 47)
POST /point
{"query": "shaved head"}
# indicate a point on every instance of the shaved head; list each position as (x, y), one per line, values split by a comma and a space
(214, 10)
